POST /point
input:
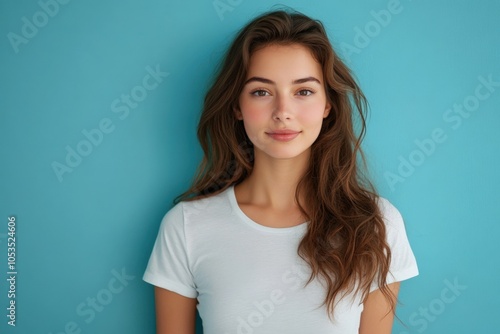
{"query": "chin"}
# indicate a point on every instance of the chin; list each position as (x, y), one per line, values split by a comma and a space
(288, 153)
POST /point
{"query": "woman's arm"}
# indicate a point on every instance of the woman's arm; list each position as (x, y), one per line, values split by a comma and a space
(377, 317)
(175, 314)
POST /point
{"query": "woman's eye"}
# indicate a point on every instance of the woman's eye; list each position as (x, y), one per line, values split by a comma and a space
(305, 92)
(259, 92)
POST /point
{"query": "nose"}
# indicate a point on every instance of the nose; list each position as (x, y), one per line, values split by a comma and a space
(281, 107)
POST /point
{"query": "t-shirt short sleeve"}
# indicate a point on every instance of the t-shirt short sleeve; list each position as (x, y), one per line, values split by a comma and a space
(403, 263)
(168, 265)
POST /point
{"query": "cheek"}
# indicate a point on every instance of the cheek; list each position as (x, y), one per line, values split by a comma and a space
(253, 112)
(312, 113)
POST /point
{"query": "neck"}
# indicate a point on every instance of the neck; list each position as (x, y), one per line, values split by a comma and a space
(273, 182)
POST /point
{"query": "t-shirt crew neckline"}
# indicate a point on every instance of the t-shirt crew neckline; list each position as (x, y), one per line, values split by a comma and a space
(236, 208)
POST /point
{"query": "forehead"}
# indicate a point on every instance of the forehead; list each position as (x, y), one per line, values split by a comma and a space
(292, 60)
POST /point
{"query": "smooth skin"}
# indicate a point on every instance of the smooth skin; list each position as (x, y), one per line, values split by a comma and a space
(286, 92)
(175, 314)
(377, 317)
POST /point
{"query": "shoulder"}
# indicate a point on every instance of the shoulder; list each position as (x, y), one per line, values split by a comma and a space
(186, 214)
(207, 207)
(403, 262)
(394, 222)
(390, 214)
(173, 219)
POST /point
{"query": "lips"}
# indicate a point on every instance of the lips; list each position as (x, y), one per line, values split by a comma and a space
(283, 135)
(283, 132)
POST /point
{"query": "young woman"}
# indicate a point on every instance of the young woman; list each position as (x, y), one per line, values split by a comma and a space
(279, 232)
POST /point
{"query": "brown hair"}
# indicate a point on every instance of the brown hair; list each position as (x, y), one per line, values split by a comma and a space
(345, 242)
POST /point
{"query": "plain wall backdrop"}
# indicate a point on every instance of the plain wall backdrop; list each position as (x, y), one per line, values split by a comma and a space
(99, 102)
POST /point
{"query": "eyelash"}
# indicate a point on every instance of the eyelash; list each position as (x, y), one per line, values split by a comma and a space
(262, 90)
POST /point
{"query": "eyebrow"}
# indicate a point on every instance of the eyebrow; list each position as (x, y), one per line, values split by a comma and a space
(298, 81)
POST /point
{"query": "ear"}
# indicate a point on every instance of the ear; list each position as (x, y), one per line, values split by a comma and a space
(328, 107)
(237, 113)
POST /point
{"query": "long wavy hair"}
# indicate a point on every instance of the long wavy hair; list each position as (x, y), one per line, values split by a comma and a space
(345, 242)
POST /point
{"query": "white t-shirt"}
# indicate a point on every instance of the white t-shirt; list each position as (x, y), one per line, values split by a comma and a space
(247, 277)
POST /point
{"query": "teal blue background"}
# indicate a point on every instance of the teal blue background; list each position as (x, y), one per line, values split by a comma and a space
(104, 215)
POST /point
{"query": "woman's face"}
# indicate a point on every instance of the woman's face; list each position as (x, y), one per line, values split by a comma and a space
(284, 90)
